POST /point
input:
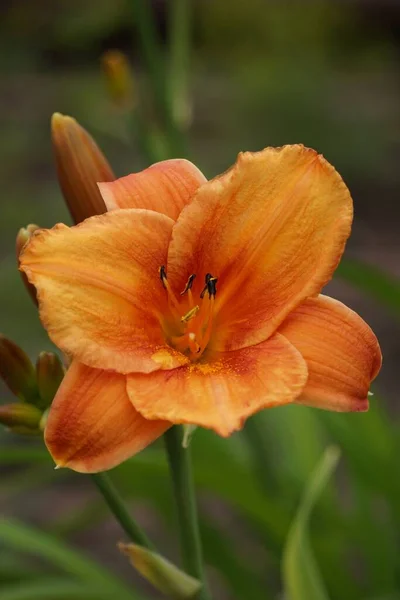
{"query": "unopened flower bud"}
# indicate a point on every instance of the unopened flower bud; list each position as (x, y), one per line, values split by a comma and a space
(17, 371)
(118, 76)
(161, 573)
(21, 418)
(23, 236)
(50, 373)
(80, 167)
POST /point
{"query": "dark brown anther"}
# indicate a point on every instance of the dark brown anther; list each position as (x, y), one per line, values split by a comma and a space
(163, 275)
(210, 287)
(189, 284)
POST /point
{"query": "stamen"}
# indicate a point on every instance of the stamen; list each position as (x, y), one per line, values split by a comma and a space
(210, 287)
(189, 284)
(163, 275)
(190, 314)
(207, 333)
(171, 296)
(194, 328)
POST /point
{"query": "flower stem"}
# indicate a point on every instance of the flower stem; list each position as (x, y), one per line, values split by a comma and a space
(156, 71)
(179, 41)
(256, 436)
(182, 480)
(117, 507)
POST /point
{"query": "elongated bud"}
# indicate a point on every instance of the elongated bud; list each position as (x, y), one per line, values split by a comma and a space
(80, 167)
(119, 79)
(23, 236)
(17, 371)
(161, 573)
(21, 418)
(49, 373)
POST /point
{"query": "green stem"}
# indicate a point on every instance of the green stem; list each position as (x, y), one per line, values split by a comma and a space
(182, 481)
(257, 437)
(117, 507)
(179, 42)
(153, 57)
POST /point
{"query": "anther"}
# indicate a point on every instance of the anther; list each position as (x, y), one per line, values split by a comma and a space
(189, 284)
(163, 275)
(210, 286)
(190, 314)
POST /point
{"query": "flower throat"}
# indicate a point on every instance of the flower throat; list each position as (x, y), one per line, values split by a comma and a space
(188, 325)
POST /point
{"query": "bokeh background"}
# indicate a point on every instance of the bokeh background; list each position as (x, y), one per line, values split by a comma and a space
(261, 72)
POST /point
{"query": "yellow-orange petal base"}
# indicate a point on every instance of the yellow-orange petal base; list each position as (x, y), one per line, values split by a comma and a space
(221, 393)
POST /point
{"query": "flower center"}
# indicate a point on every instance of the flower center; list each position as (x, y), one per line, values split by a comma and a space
(188, 324)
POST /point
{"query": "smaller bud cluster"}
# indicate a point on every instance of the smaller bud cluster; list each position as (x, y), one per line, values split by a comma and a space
(33, 387)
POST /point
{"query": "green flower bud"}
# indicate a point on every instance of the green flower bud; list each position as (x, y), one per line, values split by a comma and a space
(119, 79)
(161, 573)
(17, 371)
(21, 418)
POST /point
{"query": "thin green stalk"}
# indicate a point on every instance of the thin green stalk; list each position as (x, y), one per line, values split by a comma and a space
(182, 480)
(260, 451)
(117, 507)
(155, 66)
(179, 46)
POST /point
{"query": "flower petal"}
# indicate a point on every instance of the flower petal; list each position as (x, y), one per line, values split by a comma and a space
(100, 295)
(272, 229)
(165, 187)
(341, 351)
(92, 425)
(222, 393)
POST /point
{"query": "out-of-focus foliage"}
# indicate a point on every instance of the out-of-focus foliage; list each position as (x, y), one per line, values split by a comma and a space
(262, 73)
(299, 570)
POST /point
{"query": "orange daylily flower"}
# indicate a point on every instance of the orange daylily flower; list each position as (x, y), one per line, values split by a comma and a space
(197, 302)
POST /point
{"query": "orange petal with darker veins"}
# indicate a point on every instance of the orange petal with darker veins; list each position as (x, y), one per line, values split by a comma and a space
(272, 230)
(165, 187)
(341, 351)
(92, 425)
(99, 291)
(222, 393)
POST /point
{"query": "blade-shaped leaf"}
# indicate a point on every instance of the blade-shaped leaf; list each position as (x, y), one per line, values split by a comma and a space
(32, 541)
(54, 589)
(301, 577)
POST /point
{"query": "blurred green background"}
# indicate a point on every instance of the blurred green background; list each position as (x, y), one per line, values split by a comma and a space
(261, 72)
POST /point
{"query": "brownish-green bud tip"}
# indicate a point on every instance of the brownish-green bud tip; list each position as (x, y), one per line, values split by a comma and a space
(80, 167)
(21, 418)
(50, 373)
(23, 236)
(17, 371)
(118, 77)
(161, 573)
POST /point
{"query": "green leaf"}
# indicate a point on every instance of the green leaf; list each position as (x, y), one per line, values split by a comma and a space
(161, 573)
(301, 577)
(54, 589)
(32, 541)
